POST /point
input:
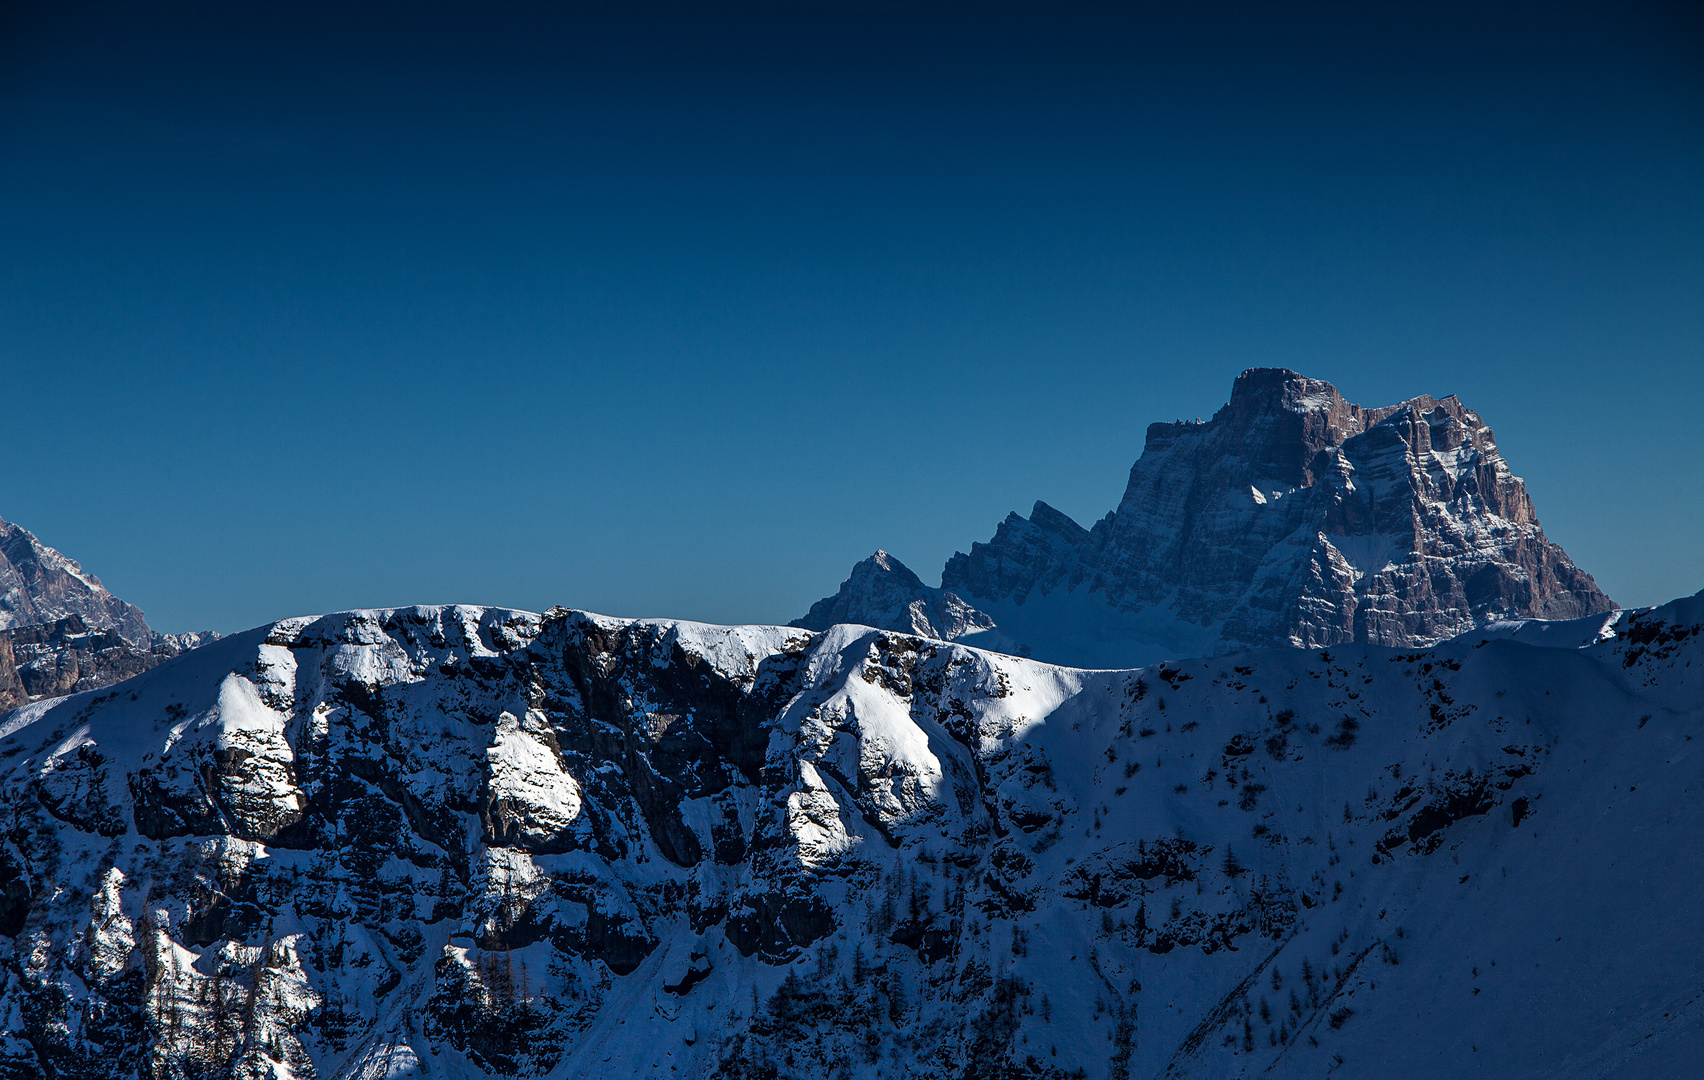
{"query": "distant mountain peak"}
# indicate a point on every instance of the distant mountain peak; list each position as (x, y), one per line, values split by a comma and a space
(62, 630)
(39, 585)
(883, 592)
(1292, 517)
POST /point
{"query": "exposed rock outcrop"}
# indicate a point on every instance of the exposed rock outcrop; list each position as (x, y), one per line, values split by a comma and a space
(12, 692)
(66, 656)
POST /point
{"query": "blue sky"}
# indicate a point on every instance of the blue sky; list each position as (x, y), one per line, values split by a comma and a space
(680, 310)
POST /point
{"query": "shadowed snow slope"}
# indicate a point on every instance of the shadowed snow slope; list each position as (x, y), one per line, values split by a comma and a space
(463, 842)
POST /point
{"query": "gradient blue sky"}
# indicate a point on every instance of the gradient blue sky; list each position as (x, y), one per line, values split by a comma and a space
(683, 309)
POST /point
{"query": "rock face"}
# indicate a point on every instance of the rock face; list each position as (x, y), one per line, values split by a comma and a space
(462, 842)
(884, 593)
(38, 585)
(65, 656)
(62, 631)
(12, 692)
(1291, 518)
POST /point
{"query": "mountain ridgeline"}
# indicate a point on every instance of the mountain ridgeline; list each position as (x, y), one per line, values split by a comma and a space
(462, 842)
(1291, 518)
(1371, 780)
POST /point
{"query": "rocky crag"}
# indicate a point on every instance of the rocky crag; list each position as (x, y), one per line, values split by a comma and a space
(61, 630)
(38, 586)
(463, 842)
(883, 592)
(1291, 518)
(65, 656)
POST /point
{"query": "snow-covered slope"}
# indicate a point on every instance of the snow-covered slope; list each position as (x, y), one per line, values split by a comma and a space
(1291, 518)
(459, 842)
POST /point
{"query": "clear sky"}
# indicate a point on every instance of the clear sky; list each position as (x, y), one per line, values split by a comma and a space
(681, 311)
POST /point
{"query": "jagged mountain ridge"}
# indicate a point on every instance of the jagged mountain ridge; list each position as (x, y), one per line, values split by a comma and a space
(66, 656)
(465, 842)
(61, 631)
(881, 591)
(1291, 518)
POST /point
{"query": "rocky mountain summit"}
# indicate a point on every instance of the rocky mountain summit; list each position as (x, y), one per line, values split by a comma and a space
(464, 842)
(1291, 518)
(39, 586)
(883, 592)
(62, 631)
